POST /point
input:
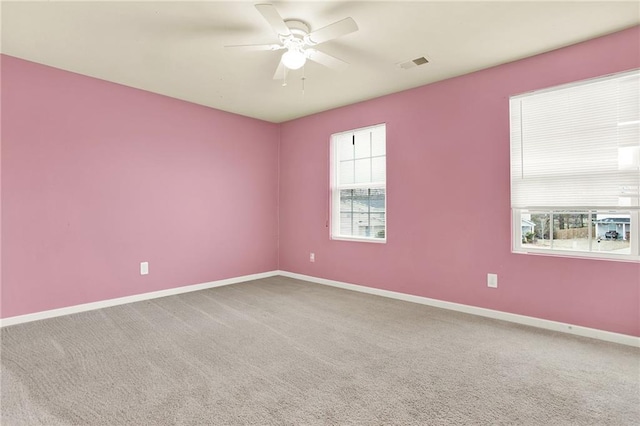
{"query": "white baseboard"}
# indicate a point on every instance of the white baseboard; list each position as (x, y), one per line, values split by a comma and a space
(577, 330)
(130, 299)
(489, 313)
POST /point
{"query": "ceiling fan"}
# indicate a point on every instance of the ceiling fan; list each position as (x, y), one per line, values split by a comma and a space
(295, 37)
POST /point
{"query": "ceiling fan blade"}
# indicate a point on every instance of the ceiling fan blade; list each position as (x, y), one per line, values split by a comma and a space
(335, 30)
(279, 74)
(256, 46)
(325, 59)
(270, 13)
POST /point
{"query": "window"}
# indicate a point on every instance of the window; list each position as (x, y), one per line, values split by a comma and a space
(358, 185)
(575, 169)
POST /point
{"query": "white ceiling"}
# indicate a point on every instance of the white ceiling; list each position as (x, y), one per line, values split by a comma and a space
(176, 48)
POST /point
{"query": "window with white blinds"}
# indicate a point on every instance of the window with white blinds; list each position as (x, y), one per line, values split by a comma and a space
(358, 184)
(575, 163)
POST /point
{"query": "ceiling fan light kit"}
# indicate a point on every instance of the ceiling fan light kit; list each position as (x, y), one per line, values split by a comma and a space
(293, 59)
(295, 37)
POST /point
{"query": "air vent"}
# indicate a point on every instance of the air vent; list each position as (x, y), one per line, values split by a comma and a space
(405, 65)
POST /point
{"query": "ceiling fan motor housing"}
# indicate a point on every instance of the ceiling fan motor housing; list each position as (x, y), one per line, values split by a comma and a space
(297, 39)
(298, 28)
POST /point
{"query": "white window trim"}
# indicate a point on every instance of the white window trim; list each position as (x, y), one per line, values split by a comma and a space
(334, 233)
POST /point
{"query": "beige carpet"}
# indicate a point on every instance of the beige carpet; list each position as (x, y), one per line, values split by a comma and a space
(283, 352)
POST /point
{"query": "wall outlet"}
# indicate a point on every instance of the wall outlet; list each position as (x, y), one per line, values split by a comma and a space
(312, 257)
(144, 268)
(492, 280)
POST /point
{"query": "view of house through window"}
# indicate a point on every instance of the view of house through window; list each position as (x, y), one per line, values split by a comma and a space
(582, 231)
(575, 169)
(358, 164)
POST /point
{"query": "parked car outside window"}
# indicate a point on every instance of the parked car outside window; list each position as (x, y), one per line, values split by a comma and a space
(611, 235)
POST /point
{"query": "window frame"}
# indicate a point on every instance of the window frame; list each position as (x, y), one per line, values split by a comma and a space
(335, 188)
(517, 245)
(518, 248)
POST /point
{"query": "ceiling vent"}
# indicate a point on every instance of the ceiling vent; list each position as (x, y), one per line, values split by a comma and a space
(412, 63)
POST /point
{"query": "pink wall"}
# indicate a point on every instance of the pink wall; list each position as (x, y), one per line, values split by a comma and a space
(97, 177)
(448, 169)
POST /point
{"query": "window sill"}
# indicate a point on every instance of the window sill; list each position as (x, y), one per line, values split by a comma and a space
(360, 240)
(580, 255)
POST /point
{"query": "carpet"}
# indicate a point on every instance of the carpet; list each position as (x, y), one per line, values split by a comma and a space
(280, 351)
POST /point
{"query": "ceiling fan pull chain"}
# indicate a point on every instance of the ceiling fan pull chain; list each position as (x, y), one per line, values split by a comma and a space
(284, 80)
(303, 79)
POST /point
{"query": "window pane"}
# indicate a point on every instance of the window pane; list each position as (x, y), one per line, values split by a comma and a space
(363, 144)
(378, 141)
(571, 231)
(378, 227)
(346, 172)
(363, 225)
(378, 169)
(377, 199)
(346, 200)
(362, 212)
(612, 233)
(345, 147)
(363, 170)
(346, 223)
(601, 232)
(536, 230)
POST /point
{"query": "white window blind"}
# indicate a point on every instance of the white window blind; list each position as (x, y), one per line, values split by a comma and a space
(577, 145)
(359, 184)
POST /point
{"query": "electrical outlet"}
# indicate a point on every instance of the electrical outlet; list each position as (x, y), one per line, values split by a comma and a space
(492, 280)
(312, 257)
(144, 268)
